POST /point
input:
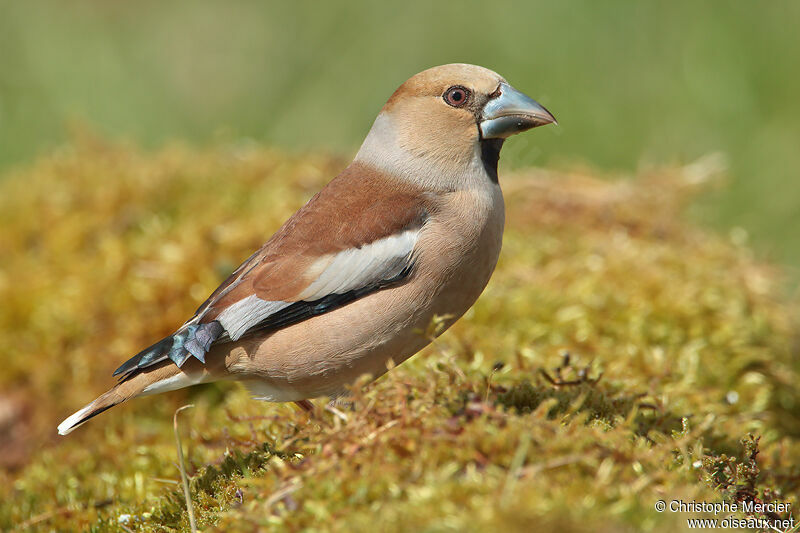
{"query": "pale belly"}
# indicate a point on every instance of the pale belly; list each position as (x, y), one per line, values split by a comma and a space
(321, 355)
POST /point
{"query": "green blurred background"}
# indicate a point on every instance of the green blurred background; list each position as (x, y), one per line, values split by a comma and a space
(633, 84)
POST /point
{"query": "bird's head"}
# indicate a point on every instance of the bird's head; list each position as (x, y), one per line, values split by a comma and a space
(447, 117)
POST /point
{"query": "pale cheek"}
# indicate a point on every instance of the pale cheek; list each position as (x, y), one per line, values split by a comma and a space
(440, 134)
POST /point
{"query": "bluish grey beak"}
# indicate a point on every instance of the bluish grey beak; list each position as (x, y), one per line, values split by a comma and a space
(512, 112)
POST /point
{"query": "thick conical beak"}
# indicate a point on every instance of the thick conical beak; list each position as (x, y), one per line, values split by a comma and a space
(512, 112)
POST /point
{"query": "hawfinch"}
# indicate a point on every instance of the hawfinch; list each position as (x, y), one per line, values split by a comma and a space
(411, 229)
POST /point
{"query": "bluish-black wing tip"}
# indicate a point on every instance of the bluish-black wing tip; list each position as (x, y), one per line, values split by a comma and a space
(144, 357)
(195, 341)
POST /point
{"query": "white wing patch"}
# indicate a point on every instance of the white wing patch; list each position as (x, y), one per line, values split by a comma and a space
(358, 267)
(345, 271)
(246, 313)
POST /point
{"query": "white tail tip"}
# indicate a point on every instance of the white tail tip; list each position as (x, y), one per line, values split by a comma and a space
(73, 421)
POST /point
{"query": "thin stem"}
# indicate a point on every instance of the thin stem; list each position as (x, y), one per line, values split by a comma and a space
(184, 477)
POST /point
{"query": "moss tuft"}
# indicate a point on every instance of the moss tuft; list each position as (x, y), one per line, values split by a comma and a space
(112, 248)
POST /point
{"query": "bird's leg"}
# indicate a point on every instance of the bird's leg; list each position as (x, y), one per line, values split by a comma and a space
(308, 407)
(305, 405)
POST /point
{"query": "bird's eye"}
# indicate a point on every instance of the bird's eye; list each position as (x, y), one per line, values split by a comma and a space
(456, 96)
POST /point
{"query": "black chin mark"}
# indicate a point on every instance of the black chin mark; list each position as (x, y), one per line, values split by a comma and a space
(490, 155)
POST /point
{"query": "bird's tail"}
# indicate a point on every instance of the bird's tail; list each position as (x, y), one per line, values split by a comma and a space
(105, 401)
(163, 377)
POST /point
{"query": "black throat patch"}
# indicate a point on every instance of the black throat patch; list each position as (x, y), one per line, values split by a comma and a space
(490, 155)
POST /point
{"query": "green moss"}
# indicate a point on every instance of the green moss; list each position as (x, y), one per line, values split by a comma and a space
(691, 348)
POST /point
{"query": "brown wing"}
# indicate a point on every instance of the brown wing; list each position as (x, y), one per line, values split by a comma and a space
(357, 208)
(355, 236)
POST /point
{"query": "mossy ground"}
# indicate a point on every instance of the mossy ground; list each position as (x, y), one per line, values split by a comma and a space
(682, 352)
